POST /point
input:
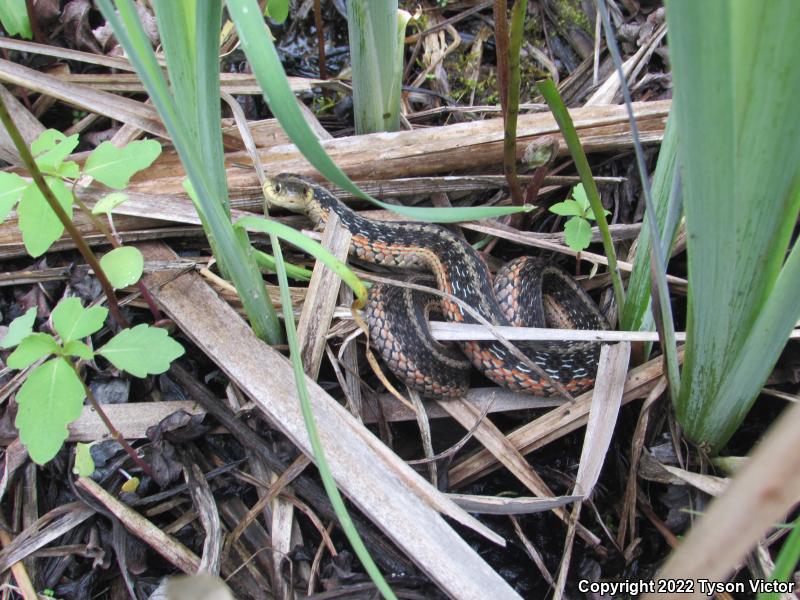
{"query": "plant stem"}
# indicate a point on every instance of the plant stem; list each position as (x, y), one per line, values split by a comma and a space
(511, 110)
(548, 89)
(501, 46)
(110, 426)
(323, 74)
(77, 238)
(115, 243)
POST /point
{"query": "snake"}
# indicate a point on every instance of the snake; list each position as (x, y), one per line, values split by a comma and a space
(526, 292)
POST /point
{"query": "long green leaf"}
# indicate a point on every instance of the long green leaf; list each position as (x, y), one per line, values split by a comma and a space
(376, 55)
(197, 149)
(755, 358)
(311, 426)
(736, 89)
(267, 68)
(308, 245)
(548, 89)
(636, 315)
(787, 561)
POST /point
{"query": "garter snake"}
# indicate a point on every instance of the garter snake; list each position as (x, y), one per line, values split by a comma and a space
(525, 292)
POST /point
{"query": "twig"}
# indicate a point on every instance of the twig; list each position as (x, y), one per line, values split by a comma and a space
(19, 572)
(320, 38)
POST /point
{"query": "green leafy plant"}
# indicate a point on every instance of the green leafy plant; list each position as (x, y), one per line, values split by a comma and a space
(577, 229)
(108, 164)
(52, 395)
(740, 176)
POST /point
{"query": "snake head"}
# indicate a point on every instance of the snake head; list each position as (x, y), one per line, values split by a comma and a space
(288, 191)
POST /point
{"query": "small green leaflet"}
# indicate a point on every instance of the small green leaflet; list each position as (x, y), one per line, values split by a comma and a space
(108, 203)
(277, 10)
(123, 266)
(51, 148)
(31, 349)
(578, 233)
(115, 166)
(14, 16)
(20, 328)
(50, 399)
(142, 350)
(568, 208)
(73, 322)
(11, 188)
(39, 224)
(577, 230)
(47, 140)
(84, 464)
(579, 195)
(131, 485)
(79, 349)
(577, 206)
(68, 170)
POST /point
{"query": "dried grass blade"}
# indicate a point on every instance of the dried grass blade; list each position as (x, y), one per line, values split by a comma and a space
(110, 105)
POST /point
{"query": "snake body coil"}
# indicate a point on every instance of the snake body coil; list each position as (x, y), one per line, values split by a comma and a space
(526, 292)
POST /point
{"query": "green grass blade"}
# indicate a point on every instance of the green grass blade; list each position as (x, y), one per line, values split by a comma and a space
(372, 49)
(265, 261)
(550, 93)
(308, 245)
(208, 25)
(311, 426)
(263, 58)
(788, 561)
(637, 302)
(176, 26)
(376, 53)
(231, 249)
(736, 88)
(662, 309)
